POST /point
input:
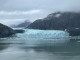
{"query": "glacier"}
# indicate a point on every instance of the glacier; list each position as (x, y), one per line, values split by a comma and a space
(33, 33)
(35, 37)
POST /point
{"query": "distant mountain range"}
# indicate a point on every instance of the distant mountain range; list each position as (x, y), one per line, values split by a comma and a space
(57, 21)
(23, 24)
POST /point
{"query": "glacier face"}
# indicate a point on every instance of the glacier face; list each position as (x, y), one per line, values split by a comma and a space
(34, 37)
(32, 33)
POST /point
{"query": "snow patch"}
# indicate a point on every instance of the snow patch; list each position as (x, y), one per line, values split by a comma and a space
(57, 15)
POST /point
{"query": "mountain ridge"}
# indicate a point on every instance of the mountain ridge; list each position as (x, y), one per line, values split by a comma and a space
(5, 31)
(23, 24)
(57, 21)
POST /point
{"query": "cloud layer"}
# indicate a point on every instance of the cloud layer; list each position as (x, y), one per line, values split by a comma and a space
(34, 9)
(19, 12)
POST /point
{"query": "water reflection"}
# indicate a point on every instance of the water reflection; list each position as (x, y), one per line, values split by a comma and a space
(3, 45)
(18, 49)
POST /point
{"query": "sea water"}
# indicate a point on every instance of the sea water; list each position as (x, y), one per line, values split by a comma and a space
(40, 45)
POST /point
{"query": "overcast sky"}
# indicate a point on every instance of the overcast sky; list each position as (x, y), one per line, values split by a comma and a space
(16, 11)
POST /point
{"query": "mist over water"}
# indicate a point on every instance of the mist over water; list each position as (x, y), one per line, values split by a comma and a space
(39, 48)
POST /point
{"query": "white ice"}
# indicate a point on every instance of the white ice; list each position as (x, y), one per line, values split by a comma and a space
(32, 33)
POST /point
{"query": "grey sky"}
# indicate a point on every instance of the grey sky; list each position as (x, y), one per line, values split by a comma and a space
(19, 10)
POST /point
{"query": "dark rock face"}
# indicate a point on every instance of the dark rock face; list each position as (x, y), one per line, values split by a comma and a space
(5, 31)
(19, 31)
(57, 21)
(74, 31)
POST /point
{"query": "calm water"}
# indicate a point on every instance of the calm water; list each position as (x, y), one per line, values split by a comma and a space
(39, 49)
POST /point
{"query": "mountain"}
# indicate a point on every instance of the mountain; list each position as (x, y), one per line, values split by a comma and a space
(57, 21)
(5, 31)
(23, 24)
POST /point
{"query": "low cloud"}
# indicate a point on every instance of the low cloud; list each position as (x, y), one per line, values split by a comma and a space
(9, 22)
(17, 17)
(20, 12)
(17, 10)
